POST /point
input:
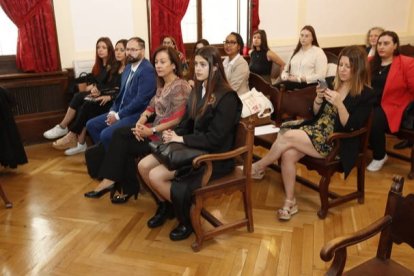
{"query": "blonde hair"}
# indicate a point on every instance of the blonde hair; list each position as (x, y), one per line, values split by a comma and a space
(368, 33)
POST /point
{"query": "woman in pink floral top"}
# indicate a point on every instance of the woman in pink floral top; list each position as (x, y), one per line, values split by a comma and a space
(118, 169)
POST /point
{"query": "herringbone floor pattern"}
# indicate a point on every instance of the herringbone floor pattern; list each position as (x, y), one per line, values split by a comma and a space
(53, 230)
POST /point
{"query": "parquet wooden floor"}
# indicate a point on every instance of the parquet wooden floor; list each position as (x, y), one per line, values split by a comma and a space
(53, 230)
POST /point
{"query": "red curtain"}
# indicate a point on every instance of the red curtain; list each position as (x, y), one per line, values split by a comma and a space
(37, 49)
(166, 16)
(255, 15)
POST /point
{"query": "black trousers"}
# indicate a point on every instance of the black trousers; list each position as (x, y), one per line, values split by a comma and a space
(77, 100)
(87, 110)
(119, 162)
(378, 130)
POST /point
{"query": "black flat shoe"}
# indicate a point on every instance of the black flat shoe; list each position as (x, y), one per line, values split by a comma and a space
(403, 144)
(121, 199)
(164, 212)
(98, 194)
(181, 232)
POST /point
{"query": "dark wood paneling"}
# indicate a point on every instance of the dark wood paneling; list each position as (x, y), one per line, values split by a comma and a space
(40, 101)
(8, 65)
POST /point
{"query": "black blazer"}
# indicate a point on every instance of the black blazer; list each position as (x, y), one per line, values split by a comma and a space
(359, 109)
(215, 130)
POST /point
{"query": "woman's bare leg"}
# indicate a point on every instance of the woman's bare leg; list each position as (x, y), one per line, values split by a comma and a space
(82, 136)
(69, 116)
(288, 168)
(160, 178)
(144, 167)
(291, 139)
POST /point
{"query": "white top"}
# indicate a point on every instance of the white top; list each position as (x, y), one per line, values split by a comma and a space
(311, 63)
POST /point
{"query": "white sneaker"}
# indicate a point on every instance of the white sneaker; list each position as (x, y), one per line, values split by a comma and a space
(55, 132)
(376, 165)
(75, 150)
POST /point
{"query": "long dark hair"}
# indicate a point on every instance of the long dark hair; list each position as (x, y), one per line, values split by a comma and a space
(263, 38)
(96, 69)
(360, 75)
(118, 64)
(216, 81)
(314, 39)
(174, 59)
(376, 60)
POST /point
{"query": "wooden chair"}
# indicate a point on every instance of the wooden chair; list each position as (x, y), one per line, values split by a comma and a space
(238, 180)
(397, 226)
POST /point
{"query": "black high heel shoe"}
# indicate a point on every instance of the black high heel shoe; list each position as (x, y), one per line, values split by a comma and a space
(120, 199)
(98, 194)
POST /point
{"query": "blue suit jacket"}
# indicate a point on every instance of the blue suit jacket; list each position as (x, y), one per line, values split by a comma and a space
(132, 101)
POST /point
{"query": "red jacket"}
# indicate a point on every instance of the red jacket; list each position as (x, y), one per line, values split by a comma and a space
(398, 90)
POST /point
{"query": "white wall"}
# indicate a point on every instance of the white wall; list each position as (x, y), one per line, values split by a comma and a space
(81, 22)
(337, 22)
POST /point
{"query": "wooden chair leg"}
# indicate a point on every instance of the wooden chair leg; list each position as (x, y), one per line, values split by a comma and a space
(324, 196)
(248, 211)
(195, 213)
(361, 182)
(4, 197)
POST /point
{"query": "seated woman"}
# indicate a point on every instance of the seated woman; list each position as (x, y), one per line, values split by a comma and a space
(235, 66)
(393, 83)
(168, 106)
(104, 57)
(199, 44)
(307, 64)
(344, 109)
(210, 122)
(371, 40)
(262, 58)
(98, 102)
(169, 41)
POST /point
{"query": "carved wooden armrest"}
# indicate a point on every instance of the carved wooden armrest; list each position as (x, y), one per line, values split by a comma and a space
(335, 140)
(207, 160)
(329, 250)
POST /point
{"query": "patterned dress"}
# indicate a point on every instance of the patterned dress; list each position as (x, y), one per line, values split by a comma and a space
(319, 130)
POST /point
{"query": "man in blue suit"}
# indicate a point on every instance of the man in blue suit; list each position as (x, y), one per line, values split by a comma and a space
(138, 86)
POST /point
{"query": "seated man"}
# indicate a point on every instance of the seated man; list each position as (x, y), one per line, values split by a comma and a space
(138, 86)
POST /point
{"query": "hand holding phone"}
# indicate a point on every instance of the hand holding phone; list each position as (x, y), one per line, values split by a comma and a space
(322, 84)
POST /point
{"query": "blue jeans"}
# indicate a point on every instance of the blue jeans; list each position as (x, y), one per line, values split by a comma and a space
(101, 132)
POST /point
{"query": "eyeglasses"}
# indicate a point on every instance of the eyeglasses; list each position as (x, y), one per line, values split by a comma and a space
(227, 42)
(133, 49)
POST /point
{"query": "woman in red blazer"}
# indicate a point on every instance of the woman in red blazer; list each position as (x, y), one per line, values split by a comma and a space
(393, 83)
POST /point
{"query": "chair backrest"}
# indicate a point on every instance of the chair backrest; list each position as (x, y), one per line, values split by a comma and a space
(401, 210)
(332, 65)
(296, 104)
(407, 50)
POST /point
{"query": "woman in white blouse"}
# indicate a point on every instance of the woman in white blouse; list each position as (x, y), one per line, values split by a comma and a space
(308, 62)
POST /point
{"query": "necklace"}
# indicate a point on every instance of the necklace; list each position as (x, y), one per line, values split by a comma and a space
(383, 69)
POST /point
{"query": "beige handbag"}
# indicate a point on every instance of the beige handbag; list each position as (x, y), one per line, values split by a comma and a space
(255, 102)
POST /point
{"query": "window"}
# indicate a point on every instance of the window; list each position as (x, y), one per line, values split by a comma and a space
(219, 18)
(8, 34)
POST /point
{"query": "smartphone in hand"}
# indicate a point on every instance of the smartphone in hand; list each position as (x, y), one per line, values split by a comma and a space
(322, 84)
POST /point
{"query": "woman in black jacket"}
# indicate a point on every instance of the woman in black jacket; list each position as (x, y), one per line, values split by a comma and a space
(344, 109)
(210, 122)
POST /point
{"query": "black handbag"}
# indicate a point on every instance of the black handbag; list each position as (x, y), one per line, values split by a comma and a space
(174, 155)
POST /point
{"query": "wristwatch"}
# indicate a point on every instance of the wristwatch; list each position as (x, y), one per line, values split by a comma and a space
(154, 131)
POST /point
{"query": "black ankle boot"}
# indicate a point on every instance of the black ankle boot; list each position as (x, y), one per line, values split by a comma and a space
(181, 232)
(164, 212)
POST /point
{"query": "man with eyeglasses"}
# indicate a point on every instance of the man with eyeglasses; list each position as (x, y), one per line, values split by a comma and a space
(138, 85)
